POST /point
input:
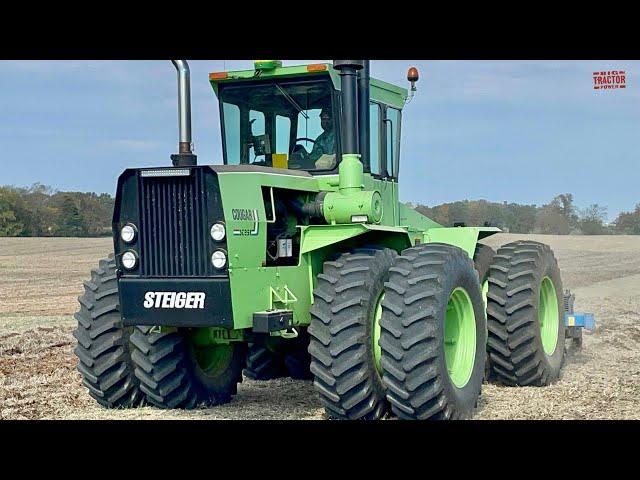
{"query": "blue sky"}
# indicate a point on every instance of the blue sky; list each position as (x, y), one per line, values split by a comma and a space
(520, 131)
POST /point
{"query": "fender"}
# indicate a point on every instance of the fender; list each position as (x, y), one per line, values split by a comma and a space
(464, 237)
(315, 237)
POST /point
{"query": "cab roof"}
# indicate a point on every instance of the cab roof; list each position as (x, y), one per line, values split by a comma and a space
(382, 92)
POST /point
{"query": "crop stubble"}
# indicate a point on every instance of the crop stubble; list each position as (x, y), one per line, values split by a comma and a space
(40, 280)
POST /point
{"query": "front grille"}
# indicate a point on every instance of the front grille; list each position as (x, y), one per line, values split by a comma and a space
(174, 226)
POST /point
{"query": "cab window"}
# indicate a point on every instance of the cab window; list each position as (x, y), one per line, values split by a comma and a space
(393, 140)
(374, 138)
(283, 134)
(257, 148)
(280, 124)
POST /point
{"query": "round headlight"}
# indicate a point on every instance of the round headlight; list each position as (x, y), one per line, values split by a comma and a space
(129, 260)
(219, 259)
(128, 233)
(218, 231)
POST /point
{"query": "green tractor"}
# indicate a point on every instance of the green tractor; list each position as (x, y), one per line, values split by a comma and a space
(295, 258)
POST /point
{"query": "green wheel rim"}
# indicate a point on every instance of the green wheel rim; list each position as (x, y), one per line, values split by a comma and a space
(213, 360)
(460, 337)
(548, 316)
(377, 351)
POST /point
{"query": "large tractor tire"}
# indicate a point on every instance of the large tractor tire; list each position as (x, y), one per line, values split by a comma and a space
(174, 373)
(279, 358)
(264, 363)
(482, 258)
(103, 349)
(297, 360)
(525, 315)
(433, 334)
(344, 331)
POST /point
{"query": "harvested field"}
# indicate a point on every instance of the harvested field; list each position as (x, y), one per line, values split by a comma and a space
(41, 278)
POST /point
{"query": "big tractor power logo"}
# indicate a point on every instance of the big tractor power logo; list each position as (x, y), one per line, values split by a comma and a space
(609, 80)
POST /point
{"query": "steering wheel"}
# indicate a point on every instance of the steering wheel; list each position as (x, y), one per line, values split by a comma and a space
(302, 154)
(304, 138)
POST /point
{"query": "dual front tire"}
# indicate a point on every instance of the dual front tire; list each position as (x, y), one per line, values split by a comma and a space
(345, 315)
(124, 367)
(425, 307)
(103, 345)
(433, 334)
(174, 373)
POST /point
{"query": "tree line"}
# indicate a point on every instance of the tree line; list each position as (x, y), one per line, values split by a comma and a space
(40, 211)
(558, 217)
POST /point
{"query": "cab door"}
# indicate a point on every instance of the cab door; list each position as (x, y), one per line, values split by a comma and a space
(384, 157)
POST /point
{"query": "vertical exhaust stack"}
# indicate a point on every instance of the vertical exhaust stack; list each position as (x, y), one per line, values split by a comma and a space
(348, 70)
(184, 157)
(364, 120)
(350, 172)
(351, 203)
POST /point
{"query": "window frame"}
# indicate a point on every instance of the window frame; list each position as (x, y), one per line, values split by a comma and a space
(394, 162)
(381, 143)
(335, 105)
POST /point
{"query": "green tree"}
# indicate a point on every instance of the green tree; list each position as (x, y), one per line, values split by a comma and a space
(551, 220)
(71, 222)
(520, 218)
(563, 203)
(9, 224)
(36, 211)
(628, 223)
(592, 220)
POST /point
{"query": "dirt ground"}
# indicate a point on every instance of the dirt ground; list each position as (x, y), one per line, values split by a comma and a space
(40, 280)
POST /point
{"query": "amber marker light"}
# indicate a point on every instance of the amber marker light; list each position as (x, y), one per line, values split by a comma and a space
(218, 75)
(316, 67)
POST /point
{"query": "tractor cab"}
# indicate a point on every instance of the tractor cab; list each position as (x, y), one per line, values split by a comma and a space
(281, 124)
(290, 117)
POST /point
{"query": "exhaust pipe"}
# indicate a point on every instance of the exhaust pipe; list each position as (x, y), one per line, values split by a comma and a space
(184, 157)
(348, 70)
(364, 121)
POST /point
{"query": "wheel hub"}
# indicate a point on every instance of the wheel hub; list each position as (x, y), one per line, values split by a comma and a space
(548, 316)
(213, 360)
(460, 337)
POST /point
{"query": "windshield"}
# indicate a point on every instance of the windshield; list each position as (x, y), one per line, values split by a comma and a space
(279, 124)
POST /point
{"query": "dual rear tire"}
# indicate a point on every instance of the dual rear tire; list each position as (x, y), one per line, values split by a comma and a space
(525, 307)
(482, 259)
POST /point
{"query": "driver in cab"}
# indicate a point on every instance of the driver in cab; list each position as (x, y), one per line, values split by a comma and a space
(323, 153)
(325, 144)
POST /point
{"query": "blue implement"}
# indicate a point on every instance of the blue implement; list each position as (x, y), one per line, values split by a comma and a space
(576, 322)
(584, 320)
